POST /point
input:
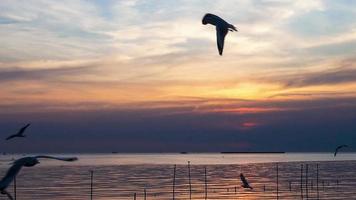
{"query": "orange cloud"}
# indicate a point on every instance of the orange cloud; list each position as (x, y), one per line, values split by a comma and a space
(247, 110)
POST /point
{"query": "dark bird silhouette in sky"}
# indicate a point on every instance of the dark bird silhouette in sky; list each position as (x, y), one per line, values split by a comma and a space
(20, 133)
(338, 148)
(18, 164)
(222, 28)
(244, 182)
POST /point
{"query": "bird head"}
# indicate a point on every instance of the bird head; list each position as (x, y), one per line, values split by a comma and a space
(206, 18)
(31, 162)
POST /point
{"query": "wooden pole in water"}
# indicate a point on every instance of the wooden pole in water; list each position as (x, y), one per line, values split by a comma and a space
(134, 196)
(190, 182)
(91, 184)
(144, 194)
(15, 188)
(277, 181)
(301, 181)
(337, 184)
(206, 185)
(174, 181)
(317, 181)
(306, 180)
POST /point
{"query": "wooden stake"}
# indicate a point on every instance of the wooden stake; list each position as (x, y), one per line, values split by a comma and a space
(91, 184)
(15, 188)
(301, 181)
(306, 180)
(277, 182)
(317, 181)
(206, 185)
(174, 181)
(190, 182)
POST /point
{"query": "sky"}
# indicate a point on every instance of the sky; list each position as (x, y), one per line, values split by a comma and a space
(145, 76)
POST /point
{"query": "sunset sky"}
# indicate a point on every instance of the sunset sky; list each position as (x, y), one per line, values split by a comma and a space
(145, 76)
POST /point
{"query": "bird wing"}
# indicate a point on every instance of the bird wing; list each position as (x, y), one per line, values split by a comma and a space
(339, 147)
(69, 159)
(243, 179)
(336, 150)
(11, 136)
(220, 38)
(11, 174)
(22, 130)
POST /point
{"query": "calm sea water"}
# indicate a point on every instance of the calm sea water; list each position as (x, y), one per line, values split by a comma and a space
(120, 176)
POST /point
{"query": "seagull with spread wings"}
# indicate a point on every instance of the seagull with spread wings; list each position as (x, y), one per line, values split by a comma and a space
(24, 162)
(222, 28)
(20, 133)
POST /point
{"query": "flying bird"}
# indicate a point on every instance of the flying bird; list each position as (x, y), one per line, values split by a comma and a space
(222, 28)
(338, 148)
(20, 133)
(18, 164)
(244, 182)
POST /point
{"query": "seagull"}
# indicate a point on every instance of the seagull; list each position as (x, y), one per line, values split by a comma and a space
(222, 28)
(244, 182)
(18, 164)
(19, 133)
(339, 147)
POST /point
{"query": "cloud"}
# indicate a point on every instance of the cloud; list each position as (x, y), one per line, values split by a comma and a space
(150, 70)
(325, 78)
(52, 74)
(316, 124)
(341, 72)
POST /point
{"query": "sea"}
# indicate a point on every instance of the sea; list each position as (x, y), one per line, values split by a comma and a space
(200, 176)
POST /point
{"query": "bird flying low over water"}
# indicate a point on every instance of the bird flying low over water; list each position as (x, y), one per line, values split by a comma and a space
(20, 133)
(26, 162)
(338, 148)
(222, 28)
(244, 182)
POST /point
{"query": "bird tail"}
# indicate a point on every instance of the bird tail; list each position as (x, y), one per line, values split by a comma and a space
(232, 27)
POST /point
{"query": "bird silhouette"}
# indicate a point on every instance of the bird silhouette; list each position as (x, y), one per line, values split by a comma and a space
(244, 182)
(24, 162)
(20, 133)
(222, 28)
(338, 148)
